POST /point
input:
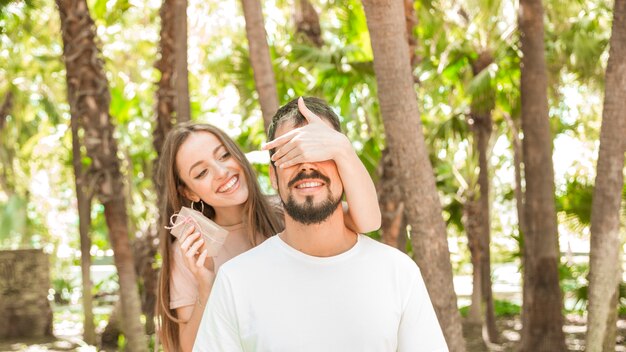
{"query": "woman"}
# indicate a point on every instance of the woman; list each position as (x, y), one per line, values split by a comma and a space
(201, 164)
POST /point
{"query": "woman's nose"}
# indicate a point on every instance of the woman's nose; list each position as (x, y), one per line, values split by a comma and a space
(221, 170)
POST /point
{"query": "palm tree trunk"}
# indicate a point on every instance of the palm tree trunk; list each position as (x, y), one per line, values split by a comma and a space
(166, 92)
(482, 127)
(260, 59)
(604, 262)
(410, 19)
(181, 72)
(542, 317)
(5, 110)
(517, 166)
(83, 200)
(407, 148)
(393, 224)
(89, 101)
(308, 22)
(110, 336)
(472, 225)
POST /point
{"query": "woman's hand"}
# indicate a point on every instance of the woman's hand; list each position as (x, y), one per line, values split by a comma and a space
(196, 259)
(313, 142)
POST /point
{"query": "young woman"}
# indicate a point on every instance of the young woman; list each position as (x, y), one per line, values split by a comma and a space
(202, 167)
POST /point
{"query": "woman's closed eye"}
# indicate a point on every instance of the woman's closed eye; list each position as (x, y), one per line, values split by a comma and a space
(201, 174)
(225, 156)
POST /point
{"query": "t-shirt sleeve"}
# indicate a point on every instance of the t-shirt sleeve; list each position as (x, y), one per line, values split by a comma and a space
(219, 327)
(183, 285)
(419, 328)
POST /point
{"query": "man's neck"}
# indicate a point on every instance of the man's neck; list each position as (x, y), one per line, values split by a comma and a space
(325, 239)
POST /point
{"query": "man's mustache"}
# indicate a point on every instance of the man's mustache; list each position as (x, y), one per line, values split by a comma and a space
(303, 175)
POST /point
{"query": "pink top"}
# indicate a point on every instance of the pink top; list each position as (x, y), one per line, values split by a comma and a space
(183, 284)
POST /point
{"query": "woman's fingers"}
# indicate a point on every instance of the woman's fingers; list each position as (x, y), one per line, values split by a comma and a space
(188, 230)
(276, 143)
(294, 156)
(308, 114)
(193, 250)
(291, 147)
(189, 241)
(201, 258)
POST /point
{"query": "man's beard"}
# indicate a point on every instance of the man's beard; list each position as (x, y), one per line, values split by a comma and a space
(309, 213)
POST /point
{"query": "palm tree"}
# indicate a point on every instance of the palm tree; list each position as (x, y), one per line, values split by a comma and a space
(260, 59)
(89, 102)
(393, 224)
(407, 149)
(542, 317)
(181, 71)
(308, 22)
(604, 272)
(166, 91)
(83, 200)
(480, 112)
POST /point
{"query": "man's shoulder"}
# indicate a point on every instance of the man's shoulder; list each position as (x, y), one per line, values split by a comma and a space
(255, 257)
(380, 249)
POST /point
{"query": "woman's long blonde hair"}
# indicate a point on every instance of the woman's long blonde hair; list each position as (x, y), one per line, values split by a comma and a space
(260, 217)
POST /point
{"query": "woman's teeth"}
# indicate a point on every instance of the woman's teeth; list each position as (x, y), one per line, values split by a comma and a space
(227, 187)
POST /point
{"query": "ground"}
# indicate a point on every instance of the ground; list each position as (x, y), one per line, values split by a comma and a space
(510, 330)
(68, 328)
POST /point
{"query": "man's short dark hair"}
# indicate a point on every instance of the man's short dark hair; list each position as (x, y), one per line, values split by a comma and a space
(290, 112)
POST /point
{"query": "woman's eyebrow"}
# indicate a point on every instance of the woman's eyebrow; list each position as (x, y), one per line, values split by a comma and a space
(194, 165)
(217, 149)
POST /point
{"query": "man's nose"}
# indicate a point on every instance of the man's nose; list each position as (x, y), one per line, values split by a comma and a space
(307, 166)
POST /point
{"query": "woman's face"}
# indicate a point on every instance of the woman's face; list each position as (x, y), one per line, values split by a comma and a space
(210, 172)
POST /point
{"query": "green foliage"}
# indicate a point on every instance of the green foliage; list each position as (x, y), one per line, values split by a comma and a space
(573, 282)
(575, 202)
(576, 37)
(63, 288)
(12, 220)
(502, 309)
(575, 286)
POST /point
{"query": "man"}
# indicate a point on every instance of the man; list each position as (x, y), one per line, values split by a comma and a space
(317, 286)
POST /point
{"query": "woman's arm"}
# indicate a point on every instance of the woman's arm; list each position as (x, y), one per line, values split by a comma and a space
(202, 269)
(318, 141)
(187, 330)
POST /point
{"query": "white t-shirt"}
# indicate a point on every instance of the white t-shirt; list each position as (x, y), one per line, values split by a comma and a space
(276, 298)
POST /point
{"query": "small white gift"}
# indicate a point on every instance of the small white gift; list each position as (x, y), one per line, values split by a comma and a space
(213, 235)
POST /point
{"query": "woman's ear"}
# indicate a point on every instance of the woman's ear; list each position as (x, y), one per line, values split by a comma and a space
(189, 194)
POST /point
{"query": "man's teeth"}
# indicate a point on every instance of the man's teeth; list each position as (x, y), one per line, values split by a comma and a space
(229, 185)
(309, 185)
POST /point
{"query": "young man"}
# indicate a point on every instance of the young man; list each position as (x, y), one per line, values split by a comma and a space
(317, 286)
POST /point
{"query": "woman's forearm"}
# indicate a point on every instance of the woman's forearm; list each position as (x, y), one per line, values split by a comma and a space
(187, 331)
(363, 208)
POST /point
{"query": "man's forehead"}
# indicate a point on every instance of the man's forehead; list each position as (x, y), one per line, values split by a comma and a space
(285, 127)
(290, 124)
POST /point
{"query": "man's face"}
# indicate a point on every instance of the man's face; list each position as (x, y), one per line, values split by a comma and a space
(310, 192)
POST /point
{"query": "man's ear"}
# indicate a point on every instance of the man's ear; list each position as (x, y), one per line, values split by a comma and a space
(189, 194)
(273, 177)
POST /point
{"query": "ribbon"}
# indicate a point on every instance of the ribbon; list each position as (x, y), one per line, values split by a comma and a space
(185, 222)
